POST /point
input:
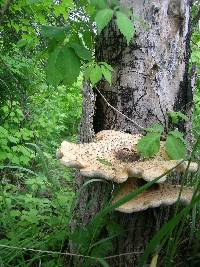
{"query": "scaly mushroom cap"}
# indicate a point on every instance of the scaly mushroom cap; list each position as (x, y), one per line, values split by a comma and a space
(157, 195)
(112, 156)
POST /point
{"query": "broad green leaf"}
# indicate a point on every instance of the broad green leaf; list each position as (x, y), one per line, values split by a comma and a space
(107, 66)
(53, 75)
(177, 134)
(115, 3)
(22, 42)
(149, 145)
(99, 4)
(58, 33)
(88, 39)
(103, 17)
(125, 26)
(81, 51)
(95, 74)
(68, 64)
(175, 147)
(156, 128)
(107, 74)
(125, 10)
(90, 10)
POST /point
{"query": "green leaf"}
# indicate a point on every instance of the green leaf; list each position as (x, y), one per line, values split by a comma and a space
(15, 213)
(95, 74)
(115, 3)
(13, 139)
(3, 132)
(177, 134)
(3, 155)
(175, 147)
(88, 38)
(107, 74)
(81, 51)
(54, 77)
(99, 4)
(125, 26)
(149, 145)
(125, 10)
(103, 17)
(177, 116)
(156, 128)
(68, 64)
(22, 43)
(107, 66)
(51, 32)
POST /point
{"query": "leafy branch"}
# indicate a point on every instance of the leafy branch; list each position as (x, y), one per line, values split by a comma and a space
(149, 145)
(69, 53)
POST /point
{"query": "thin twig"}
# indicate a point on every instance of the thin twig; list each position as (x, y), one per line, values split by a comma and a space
(67, 253)
(46, 251)
(135, 123)
(123, 254)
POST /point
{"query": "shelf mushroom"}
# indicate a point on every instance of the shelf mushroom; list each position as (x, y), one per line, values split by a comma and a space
(157, 195)
(113, 156)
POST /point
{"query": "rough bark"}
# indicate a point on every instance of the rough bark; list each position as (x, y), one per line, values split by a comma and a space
(150, 78)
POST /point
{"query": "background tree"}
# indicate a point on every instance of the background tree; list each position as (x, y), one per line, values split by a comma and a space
(151, 77)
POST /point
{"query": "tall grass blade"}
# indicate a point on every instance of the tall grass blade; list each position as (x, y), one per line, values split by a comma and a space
(165, 230)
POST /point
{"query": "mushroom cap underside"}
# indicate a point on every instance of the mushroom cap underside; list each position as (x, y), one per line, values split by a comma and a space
(155, 196)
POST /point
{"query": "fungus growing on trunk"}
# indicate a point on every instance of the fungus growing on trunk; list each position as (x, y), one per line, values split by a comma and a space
(157, 195)
(113, 156)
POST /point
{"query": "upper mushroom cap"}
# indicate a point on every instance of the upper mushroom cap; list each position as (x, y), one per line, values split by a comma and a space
(112, 156)
(155, 196)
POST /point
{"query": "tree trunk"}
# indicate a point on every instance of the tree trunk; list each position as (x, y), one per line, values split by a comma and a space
(150, 78)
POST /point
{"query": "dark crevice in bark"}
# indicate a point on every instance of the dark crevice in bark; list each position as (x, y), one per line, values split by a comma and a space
(101, 108)
(184, 99)
(98, 115)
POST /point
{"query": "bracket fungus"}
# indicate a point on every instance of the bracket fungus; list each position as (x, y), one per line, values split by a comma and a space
(113, 156)
(157, 195)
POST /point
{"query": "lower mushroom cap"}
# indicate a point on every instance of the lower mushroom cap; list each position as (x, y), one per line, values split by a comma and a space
(157, 195)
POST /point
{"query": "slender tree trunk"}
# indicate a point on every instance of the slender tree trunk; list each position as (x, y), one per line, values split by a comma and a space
(150, 79)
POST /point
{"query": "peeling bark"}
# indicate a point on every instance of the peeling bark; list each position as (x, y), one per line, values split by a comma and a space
(151, 78)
